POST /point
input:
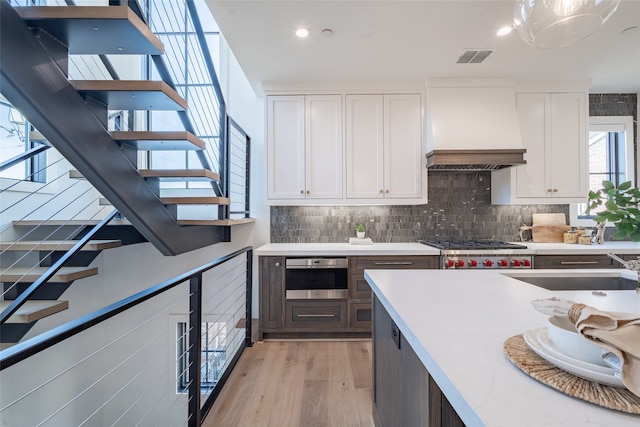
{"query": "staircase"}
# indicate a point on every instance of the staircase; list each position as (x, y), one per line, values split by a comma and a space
(73, 116)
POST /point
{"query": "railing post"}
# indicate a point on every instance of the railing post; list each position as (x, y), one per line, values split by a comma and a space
(195, 349)
(249, 297)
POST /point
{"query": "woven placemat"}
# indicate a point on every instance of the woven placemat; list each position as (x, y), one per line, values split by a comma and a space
(529, 362)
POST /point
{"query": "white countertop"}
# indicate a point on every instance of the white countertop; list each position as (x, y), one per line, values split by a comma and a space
(414, 248)
(620, 248)
(344, 249)
(457, 322)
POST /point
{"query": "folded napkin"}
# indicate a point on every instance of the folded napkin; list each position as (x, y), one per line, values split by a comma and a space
(617, 332)
(553, 306)
(356, 241)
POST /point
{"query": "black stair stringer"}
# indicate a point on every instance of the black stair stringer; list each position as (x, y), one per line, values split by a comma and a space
(32, 81)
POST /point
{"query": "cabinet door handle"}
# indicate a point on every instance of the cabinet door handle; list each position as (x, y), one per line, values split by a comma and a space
(316, 315)
(393, 263)
(577, 262)
(387, 190)
(277, 264)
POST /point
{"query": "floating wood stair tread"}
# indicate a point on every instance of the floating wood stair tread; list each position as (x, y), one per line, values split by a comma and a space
(95, 29)
(132, 94)
(36, 136)
(74, 174)
(155, 141)
(180, 174)
(197, 200)
(58, 245)
(35, 310)
(216, 222)
(65, 274)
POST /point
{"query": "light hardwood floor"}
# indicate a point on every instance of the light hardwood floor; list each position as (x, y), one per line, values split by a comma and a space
(298, 383)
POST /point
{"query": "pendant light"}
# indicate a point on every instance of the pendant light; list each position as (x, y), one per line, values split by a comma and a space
(557, 23)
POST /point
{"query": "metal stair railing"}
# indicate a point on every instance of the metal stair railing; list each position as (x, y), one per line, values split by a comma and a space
(111, 390)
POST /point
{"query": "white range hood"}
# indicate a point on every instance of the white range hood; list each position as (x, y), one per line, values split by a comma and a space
(472, 125)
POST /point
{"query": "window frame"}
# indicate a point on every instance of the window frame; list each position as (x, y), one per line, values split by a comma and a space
(610, 123)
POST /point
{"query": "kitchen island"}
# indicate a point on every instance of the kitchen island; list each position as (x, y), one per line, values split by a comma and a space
(456, 322)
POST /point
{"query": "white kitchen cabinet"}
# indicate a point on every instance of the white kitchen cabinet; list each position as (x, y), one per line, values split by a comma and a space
(384, 155)
(554, 132)
(304, 147)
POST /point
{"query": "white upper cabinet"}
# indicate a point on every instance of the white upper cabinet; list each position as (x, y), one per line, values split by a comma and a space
(304, 147)
(384, 157)
(369, 152)
(554, 132)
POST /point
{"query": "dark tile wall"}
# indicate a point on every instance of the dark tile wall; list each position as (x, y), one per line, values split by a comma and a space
(459, 208)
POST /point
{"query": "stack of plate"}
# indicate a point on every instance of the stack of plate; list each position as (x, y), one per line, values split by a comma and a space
(539, 341)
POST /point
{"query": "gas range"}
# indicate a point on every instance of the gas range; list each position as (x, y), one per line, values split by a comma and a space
(481, 254)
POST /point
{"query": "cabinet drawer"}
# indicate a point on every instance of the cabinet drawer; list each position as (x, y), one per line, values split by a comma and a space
(360, 316)
(358, 287)
(574, 261)
(316, 314)
(396, 262)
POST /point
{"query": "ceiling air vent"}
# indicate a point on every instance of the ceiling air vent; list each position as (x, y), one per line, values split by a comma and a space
(474, 56)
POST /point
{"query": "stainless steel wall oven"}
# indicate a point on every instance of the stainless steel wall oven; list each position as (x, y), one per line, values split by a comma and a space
(316, 278)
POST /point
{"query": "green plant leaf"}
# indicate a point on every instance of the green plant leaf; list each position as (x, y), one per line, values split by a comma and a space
(611, 205)
(625, 186)
(608, 185)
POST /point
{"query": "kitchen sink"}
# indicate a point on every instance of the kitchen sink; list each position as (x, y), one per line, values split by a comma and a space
(584, 283)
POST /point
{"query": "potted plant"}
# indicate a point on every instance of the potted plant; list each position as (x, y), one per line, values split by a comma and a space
(360, 231)
(618, 205)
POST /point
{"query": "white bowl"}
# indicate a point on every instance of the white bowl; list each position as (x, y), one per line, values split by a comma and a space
(564, 335)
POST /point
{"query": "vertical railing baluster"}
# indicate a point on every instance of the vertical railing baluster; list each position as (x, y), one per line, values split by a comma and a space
(195, 349)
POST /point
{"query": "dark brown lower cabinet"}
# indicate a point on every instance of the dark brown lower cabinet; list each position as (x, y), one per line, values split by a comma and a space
(403, 392)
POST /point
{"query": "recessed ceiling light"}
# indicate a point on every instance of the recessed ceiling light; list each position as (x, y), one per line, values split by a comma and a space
(504, 31)
(302, 32)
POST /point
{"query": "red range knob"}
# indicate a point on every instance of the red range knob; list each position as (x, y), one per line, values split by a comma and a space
(451, 263)
(460, 263)
(473, 263)
(526, 263)
(503, 263)
(516, 263)
(488, 262)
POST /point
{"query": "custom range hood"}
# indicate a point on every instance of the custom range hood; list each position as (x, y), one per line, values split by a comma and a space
(472, 125)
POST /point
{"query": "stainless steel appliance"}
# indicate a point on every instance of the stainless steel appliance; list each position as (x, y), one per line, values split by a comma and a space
(316, 278)
(481, 254)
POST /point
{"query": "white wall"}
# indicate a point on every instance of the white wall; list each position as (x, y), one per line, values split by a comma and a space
(248, 110)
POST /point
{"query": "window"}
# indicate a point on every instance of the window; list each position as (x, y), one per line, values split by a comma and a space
(15, 141)
(610, 153)
(213, 355)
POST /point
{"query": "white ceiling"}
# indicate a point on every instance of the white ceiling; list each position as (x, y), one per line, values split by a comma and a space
(411, 41)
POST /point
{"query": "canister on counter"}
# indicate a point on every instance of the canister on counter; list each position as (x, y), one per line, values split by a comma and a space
(584, 240)
(570, 237)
